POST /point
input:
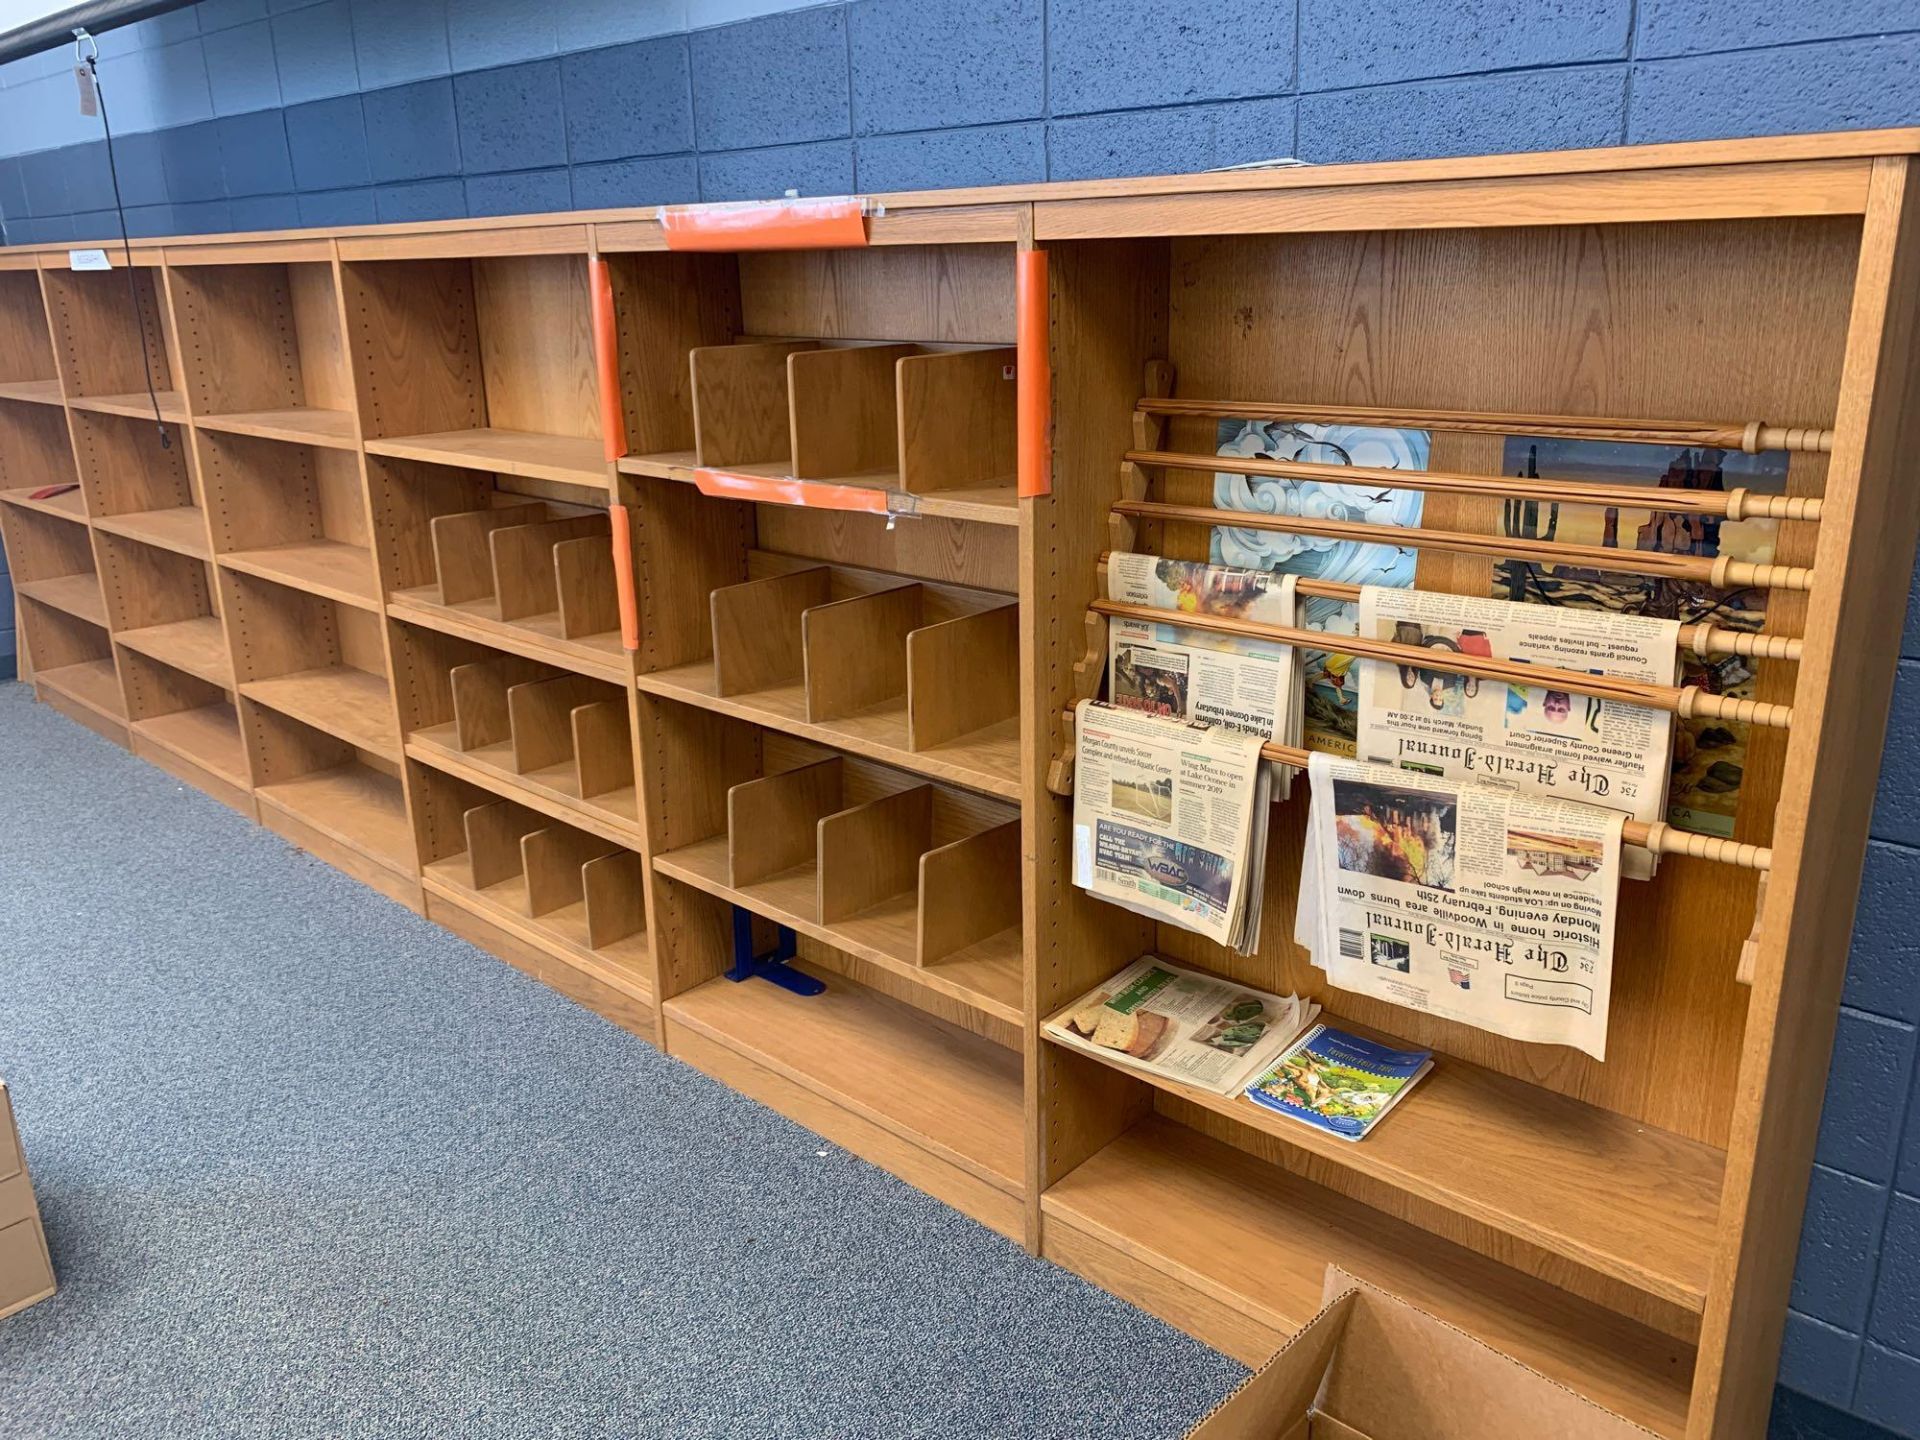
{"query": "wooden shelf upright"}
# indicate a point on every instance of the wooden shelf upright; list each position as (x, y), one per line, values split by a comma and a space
(652, 597)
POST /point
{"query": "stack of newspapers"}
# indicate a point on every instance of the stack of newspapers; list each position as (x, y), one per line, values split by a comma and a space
(1172, 795)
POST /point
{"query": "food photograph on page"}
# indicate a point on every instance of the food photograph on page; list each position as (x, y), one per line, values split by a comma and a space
(1709, 755)
(1330, 697)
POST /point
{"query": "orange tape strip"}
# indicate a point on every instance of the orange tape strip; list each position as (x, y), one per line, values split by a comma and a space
(772, 490)
(606, 355)
(623, 577)
(770, 225)
(1034, 386)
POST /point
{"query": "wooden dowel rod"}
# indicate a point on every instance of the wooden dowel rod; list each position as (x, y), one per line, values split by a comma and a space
(1655, 835)
(1753, 436)
(1684, 701)
(1701, 639)
(1736, 504)
(1721, 573)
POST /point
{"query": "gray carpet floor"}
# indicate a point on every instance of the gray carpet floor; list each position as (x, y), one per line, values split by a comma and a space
(312, 1166)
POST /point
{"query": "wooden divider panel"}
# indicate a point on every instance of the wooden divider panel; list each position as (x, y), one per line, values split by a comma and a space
(602, 747)
(524, 582)
(494, 833)
(554, 858)
(740, 414)
(962, 675)
(612, 886)
(540, 713)
(26, 350)
(583, 578)
(845, 417)
(408, 498)
(856, 650)
(667, 306)
(463, 552)
(956, 420)
(479, 693)
(772, 822)
(969, 890)
(872, 852)
(757, 636)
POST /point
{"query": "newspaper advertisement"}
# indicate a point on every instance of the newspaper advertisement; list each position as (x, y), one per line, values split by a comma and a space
(1170, 820)
(1539, 739)
(1484, 905)
(1327, 687)
(1184, 1026)
(1165, 668)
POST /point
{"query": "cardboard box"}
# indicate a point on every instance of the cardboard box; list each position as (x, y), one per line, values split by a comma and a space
(1370, 1366)
(26, 1269)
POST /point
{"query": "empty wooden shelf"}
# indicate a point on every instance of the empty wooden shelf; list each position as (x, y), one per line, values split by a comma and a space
(208, 737)
(78, 595)
(952, 1097)
(298, 424)
(197, 646)
(527, 453)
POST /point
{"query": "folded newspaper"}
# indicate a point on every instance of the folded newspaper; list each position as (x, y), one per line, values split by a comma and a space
(1477, 903)
(1170, 820)
(1544, 741)
(1184, 1026)
(1165, 668)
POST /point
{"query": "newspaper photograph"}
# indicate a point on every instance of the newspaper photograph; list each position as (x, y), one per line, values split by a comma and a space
(1327, 688)
(1483, 905)
(1541, 740)
(1170, 820)
(1164, 668)
(1182, 1025)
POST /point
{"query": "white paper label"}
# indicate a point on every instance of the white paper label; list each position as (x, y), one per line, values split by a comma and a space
(88, 260)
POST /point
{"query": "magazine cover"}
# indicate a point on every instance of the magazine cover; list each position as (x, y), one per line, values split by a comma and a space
(1329, 694)
(1709, 755)
(1182, 1025)
(1338, 1082)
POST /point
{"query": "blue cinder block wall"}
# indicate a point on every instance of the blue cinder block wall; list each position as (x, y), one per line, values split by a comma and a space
(246, 114)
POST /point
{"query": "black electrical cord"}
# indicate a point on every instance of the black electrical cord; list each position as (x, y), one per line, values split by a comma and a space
(92, 62)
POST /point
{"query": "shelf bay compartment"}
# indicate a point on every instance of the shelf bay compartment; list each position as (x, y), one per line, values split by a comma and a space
(573, 896)
(73, 667)
(36, 451)
(1234, 1251)
(485, 363)
(262, 353)
(917, 885)
(187, 726)
(291, 513)
(332, 799)
(935, 1105)
(461, 553)
(112, 338)
(708, 344)
(867, 660)
(26, 346)
(164, 605)
(559, 742)
(314, 660)
(138, 486)
(45, 553)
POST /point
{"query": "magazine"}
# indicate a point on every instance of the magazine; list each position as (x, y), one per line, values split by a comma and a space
(1338, 1082)
(1165, 668)
(1182, 1025)
(1477, 903)
(1170, 820)
(1326, 686)
(1540, 739)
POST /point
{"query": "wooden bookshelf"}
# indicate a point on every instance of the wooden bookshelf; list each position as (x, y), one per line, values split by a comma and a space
(364, 582)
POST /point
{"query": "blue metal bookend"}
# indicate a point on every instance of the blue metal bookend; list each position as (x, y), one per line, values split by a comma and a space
(774, 964)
